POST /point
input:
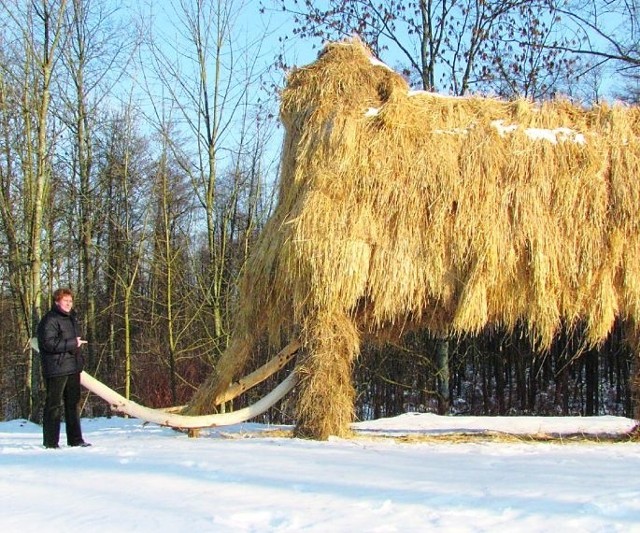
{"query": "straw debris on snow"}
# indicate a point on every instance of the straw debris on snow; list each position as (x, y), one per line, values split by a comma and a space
(401, 209)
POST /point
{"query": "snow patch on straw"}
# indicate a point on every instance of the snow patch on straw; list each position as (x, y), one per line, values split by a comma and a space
(422, 92)
(377, 63)
(553, 136)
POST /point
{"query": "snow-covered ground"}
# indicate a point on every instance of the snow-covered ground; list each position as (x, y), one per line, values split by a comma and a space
(243, 478)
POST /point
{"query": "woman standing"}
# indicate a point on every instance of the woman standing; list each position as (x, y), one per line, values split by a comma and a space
(59, 343)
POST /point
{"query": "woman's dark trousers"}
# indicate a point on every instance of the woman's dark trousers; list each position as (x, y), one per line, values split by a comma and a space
(63, 394)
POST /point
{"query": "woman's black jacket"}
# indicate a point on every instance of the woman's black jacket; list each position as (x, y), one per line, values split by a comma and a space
(58, 344)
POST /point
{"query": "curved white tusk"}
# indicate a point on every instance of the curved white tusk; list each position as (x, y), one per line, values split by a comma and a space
(258, 376)
(120, 404)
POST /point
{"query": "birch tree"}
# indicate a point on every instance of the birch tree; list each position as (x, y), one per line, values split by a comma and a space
(125, 177)
(96, 57)
(206, 71)
(173, 301)
(38, 28)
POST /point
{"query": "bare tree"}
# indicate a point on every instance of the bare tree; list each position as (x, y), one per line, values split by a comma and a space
(207, 73)
(126, 174)
(615, 25)
(12, 251)
(606, 30)
(173, 302)
(39, 28)
(98, 51)
(447, 45)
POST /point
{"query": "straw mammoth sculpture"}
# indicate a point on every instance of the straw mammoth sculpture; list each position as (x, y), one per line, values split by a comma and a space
(401, 210)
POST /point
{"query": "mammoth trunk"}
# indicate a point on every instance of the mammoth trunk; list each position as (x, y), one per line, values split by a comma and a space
(230, 365)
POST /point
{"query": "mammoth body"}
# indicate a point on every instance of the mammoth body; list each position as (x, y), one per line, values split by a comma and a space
(401, 210)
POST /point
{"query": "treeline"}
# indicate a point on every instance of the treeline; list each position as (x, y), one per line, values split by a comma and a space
(139, 184)
(499, 374)
(138, 159)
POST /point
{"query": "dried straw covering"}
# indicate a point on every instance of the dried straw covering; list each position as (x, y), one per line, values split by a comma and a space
(403, 209)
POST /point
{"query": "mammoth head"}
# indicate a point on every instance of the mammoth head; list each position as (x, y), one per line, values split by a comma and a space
(345, 80)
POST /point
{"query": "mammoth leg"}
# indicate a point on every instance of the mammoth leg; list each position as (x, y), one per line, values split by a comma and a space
(325, 404)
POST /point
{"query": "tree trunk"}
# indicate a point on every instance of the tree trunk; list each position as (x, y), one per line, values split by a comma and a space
(442, 376)
(500, 381)
(591, 377)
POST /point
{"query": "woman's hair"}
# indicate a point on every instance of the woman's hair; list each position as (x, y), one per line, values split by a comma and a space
(58, 294)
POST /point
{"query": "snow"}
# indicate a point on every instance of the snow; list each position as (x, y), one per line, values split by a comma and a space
(398, 474)
(377, 62)
(552, 136)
